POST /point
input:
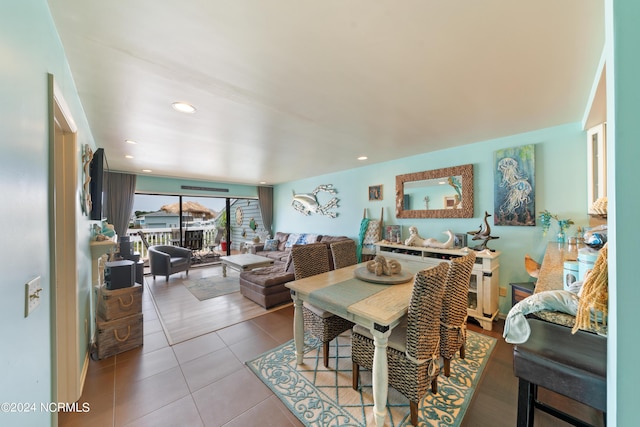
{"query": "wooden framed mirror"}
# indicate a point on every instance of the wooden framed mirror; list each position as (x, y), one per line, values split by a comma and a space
(438, 193)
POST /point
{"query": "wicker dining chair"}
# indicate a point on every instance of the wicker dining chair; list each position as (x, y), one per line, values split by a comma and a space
(453, 318)
(309, 260)
(343, 253)
(413, 349)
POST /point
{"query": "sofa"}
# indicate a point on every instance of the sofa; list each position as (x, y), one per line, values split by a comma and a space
(165, 260)
(266, 286)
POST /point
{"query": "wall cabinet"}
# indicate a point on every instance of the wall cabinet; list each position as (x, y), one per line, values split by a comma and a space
(483, 286)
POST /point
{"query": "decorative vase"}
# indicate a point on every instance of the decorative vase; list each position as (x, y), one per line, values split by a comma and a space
(561, 236)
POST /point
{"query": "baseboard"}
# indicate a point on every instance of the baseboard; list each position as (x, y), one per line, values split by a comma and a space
(85, 370)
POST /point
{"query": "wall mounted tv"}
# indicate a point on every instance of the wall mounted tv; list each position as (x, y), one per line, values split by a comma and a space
(96, 189)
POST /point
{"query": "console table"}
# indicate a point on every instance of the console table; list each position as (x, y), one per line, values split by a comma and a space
(550, 278)
(483, 286)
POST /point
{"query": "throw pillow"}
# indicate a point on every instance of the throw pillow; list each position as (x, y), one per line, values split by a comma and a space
(309, 238)
(271, 245)
(292, 240)
(301, 239)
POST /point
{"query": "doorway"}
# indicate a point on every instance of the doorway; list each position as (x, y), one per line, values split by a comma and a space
(67, 367)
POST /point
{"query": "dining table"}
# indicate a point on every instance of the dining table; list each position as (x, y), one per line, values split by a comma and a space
(376, 306)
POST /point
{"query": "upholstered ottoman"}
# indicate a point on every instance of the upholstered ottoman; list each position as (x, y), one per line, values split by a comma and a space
(265, 286)
(572, 365)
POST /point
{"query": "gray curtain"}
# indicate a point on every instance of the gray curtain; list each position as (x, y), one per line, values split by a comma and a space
(265, 200)
(121, 190)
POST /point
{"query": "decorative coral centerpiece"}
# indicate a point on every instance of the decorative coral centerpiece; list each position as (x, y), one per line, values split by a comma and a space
(381, 267)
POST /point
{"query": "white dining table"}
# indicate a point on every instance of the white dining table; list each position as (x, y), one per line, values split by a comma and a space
(377, 307)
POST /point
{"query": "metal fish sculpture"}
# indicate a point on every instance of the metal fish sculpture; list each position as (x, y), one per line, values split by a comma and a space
(306, 203)
(484, 234)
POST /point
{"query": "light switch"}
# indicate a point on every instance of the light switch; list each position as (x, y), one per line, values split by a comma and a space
(32, 295)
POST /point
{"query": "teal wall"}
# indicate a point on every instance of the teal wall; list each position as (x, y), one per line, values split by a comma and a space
(623, 152)
(162, 185)
(561, 176)
(30, 49)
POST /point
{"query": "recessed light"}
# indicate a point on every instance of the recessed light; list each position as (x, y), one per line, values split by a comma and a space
(183, 107)
(362, 158)
(263, 182)
(147, 170)
(129, 156)
(130, 141)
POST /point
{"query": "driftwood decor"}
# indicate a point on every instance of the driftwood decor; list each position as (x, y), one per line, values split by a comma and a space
(429, 186)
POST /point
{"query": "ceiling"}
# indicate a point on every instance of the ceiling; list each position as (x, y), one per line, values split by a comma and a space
(288, 89)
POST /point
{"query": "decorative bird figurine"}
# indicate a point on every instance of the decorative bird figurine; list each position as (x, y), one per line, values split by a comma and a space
(484, 234)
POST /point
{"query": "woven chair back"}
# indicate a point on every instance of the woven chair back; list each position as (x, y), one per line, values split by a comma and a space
(454, 304)
(309, 260)
(423, 319)
(344, 253)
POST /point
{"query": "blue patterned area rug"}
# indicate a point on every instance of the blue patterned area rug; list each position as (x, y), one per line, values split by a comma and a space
(322, 397)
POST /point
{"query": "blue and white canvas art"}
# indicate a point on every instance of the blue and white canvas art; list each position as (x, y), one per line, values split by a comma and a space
(514, 186)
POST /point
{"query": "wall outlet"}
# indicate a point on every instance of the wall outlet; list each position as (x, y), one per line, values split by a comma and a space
(503, 292)
(32, 296)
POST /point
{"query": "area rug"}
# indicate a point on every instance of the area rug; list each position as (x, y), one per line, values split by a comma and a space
(318, 396)
(212, 286)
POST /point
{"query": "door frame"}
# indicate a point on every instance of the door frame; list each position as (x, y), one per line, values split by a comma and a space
(63, 177)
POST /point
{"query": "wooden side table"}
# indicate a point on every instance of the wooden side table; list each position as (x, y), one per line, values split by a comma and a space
(520, 291)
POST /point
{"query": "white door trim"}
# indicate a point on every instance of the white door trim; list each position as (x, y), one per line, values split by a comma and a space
(63, 173)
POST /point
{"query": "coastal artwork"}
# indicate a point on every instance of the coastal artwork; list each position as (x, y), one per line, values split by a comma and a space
(393, 233)
(514, 186)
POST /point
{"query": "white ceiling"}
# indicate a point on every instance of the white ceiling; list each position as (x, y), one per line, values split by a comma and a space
(287, 89)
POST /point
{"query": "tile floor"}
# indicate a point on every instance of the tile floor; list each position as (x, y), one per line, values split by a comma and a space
(204, 382)
(200, 382)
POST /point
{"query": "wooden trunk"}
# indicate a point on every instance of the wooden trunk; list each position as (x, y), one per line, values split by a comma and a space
(119, 302)
(119, 335)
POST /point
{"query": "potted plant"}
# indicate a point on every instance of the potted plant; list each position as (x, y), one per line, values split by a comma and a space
(222, 222)
(223, 243)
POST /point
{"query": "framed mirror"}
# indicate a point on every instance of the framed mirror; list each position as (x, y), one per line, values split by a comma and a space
(438, 193)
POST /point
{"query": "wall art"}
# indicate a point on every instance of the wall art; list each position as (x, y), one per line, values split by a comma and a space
(514, 186)
(87, 156)
(306, 203)
(375, 192)
(393, 233)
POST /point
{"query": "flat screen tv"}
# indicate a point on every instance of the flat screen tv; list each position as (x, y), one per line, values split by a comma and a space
(96, 189)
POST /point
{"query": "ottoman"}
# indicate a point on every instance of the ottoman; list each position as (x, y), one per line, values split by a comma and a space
(265, 286)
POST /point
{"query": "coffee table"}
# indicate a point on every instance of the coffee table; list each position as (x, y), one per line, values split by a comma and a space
(244, 262)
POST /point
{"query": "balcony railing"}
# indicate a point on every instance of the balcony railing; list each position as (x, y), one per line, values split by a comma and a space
(164, 236)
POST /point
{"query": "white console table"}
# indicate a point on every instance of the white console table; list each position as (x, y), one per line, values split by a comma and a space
(485, 279)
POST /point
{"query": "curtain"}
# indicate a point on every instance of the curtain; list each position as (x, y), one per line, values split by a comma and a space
(265, 200)
(121, 190)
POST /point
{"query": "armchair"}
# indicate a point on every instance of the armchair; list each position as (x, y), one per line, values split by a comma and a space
(165, 260)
